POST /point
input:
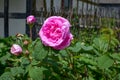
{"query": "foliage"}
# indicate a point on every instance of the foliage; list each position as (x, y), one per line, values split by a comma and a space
(85, 59)
(111, 22)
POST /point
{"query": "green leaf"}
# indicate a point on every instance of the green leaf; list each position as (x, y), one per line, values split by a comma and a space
(87, 60)
(104, 62)
(94, 68)
(88, 48)
(34, 62)
(36, 73)
(100, 45)
(115, 56)
(57, 76)
(75, 48)
(7, 76)
(91, 78)
(63, 53)
(117, 77)
(96, 52)
(16, 71)
(4, 58)
(40, 51)
(2, 45)
(25, 61)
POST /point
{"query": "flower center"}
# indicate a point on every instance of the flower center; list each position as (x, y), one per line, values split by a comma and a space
(53, 33)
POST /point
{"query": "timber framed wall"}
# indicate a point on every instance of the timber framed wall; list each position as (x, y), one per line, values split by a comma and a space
(13, 15)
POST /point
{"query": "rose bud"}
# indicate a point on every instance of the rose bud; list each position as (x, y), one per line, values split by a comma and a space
(26, 42)
(26, 52)
(16, 49)
(31, 20)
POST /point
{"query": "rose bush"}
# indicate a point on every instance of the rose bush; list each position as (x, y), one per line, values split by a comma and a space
(87, 59)
(55, 32)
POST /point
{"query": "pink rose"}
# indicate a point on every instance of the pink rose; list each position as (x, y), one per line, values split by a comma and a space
(55, 32)
(16, 49)
(31, 19)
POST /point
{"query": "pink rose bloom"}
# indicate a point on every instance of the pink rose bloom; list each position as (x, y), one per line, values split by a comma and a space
(55, 32)
(16, 49)
(31, 19)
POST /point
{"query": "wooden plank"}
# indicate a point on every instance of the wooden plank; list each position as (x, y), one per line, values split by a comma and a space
(28, 12)
(109, 1)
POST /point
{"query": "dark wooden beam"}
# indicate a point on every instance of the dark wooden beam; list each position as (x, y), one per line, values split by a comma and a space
(14, 15)
(90, 2)
(109, 5)
(6, 20)
(28, 12)
(17, 15)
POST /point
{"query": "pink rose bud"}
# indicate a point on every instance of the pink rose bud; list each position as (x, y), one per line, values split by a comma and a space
(26, 52)
(16, 49)
(31, 19)
(55, 32)
(26, 42)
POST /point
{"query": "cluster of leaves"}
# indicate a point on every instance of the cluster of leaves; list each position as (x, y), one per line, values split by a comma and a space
(111, 22)
(97, 60)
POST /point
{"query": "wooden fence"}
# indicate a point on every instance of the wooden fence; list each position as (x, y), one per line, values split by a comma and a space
(86, 18)
(108, 17)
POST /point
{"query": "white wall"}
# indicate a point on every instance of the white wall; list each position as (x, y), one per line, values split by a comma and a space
(18, 6)
(1, 19)
(1, 27)
(17, 26)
